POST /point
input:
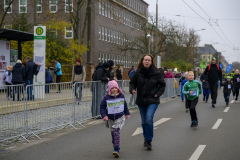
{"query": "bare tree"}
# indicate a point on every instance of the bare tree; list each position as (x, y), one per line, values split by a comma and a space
(4, 10)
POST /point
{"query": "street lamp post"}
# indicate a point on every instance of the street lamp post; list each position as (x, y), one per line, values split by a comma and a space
(148, 36)
(194, 44)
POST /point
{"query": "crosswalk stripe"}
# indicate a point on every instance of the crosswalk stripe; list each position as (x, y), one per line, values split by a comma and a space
(217, 124)
(197, 152)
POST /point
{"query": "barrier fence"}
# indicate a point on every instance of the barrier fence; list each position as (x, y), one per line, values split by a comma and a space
(28, 110)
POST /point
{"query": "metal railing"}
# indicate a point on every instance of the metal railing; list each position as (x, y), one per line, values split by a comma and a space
(32, 109)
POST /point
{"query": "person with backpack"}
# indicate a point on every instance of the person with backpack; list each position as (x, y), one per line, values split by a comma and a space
(29, 74)
(214, 74)
(236, 85)
(133, 97)
(78, 75)
(48, 80)
(58, 72)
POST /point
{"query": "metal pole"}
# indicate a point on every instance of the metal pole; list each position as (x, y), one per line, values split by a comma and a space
(149, 45)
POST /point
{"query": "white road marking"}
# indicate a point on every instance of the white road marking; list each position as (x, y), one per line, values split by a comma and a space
(217, 124)
(139, 129)
(197, 152)
(232, 101)
(226, 110)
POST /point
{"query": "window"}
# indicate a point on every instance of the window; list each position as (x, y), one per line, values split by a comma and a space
(6, 5)
(109, 11)
(22, 6)
(69, 32)
(100, 32)
(117, 37)
(99, 56)
(39, 6)
(103, 8)
(106, 56)
(69, 6)
(102, 57)
(109, 35)
(106, 31)
(100, 7)
(106, 9)
(53, 6)
(114, 38)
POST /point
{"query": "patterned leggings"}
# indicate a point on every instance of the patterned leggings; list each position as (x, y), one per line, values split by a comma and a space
(116, 137)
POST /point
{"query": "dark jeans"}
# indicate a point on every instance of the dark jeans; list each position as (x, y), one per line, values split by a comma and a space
(213, 89)
(58, 81)
(192, 107)
(236, 92)
(9, 90)
(147, 114)
(206, 93)
(226, 96)
(29, 89)
(19, 90)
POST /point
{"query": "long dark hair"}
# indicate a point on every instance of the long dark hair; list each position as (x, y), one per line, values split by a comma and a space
(141, 61)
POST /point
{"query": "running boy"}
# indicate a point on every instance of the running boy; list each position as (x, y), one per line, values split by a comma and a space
(192, 89)
(227, 87)
(113, 107)
(183, 83)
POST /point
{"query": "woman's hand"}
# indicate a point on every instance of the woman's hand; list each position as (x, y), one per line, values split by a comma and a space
(133, 92)
(191, 92)
(127, 116)
(155, 96)
(105, 118)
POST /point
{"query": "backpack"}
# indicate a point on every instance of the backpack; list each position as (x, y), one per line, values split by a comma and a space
(36, 69)
(48, 79)
(209, 67)
(131, 73)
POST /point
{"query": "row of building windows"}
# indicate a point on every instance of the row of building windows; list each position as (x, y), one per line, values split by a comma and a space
(126, 61)
(68, 30)
(137, 6)
(120, 15)
(113, 36)
(53, 6)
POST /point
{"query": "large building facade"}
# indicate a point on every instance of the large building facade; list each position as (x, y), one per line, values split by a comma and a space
(114, 24)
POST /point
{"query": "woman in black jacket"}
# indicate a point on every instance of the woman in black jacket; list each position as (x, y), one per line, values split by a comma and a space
(150, 86)
(236, 85)
(18, 78)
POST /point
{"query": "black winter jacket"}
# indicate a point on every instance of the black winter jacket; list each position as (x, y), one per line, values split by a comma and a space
(235, 82)
(205, 85)
(18, 73)
(225, 87)
(214, 74)
(29, 70)
(100, 74)
(110, 74)
(147, 82)
(181, 79)
(119, 74)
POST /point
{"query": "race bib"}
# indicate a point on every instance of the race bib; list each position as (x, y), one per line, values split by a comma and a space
(115, 105)
(194, 93)
(237, 79)
(229, 86)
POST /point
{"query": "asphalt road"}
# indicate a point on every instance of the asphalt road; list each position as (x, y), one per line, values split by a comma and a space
(173, 139)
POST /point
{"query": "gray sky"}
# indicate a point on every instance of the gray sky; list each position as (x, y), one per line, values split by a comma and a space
(216, 9)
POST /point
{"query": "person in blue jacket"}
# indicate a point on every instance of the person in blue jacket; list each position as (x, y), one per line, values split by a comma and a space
(113, 108)
(182, 85)
(58, 72)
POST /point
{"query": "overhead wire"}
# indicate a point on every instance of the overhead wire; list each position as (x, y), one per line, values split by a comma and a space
(215, 23)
